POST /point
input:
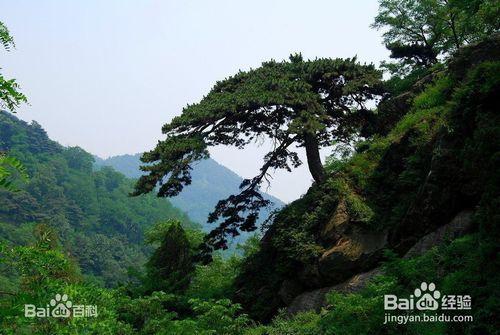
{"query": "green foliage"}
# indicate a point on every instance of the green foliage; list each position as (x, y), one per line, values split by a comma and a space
(459, 268)
(171, 265)
(399, 163)
(301, 324)
(219, 317)
(10, 97)
(251, 246)
(208, 317)
(397, 85)
(44, 272)
(38, 266)
(428, 113)
(417, 32)
(214, 280)
(10, 168)
(95, 219)
(295, 227)
(147, 313)
(156, 234)
(307, 103)
(210, 183)
(367, 309)
(441, 157)
(296, 224)
(6, 38)
(462, 111)
(11, 171)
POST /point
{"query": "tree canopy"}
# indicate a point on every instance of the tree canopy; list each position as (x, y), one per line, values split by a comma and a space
(171, 265)
(417, 32)
(309, 104)
(89, 207)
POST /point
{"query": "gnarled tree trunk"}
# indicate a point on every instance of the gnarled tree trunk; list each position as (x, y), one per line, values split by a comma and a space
(313, 157)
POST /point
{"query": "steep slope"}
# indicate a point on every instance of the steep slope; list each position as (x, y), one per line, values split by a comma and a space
(439, 159)
(211, 183)
(90, 211)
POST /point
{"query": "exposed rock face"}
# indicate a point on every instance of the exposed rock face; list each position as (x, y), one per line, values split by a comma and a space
(309, 301)
(433, 165)
(289, 290)
(338, 223)
(459, 226)
(351, 249)
(355, 251)
(314, 300)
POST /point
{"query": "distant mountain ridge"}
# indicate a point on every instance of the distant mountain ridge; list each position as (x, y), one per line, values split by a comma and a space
(211, 182)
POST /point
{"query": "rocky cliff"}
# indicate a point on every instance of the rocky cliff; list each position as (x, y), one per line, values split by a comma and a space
(425, 166)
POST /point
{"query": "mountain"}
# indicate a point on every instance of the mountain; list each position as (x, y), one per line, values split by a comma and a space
(401, 206)
(211, 182)
(87, 210)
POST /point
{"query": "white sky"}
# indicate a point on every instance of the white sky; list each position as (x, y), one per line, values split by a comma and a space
(106, 75)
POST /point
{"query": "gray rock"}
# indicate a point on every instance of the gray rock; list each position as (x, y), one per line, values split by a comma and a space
(309, 301)
(355, 252)
(316, 299)
(459, 226)
(338, 224)
(289, 290)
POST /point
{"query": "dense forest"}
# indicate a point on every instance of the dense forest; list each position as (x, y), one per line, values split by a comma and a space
(411, 195)
(88, 210)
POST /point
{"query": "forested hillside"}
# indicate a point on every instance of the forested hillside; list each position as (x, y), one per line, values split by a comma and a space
(89, 211)
(406, 208)
(211, 183)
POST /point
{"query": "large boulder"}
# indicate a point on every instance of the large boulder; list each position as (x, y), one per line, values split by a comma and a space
(338, 224)
(459, 226)
(316, 299)
(351, 249)
(289, 290)
(355, 251)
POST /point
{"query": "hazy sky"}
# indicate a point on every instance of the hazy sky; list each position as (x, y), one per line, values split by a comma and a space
(106, 75)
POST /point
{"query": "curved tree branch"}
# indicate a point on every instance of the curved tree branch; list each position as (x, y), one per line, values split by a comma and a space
(242, 210)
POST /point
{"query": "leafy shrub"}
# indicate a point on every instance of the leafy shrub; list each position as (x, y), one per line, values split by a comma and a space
(214, 280)
(301, 324)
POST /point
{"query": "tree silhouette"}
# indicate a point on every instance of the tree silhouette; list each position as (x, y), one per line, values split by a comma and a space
(304, 103)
